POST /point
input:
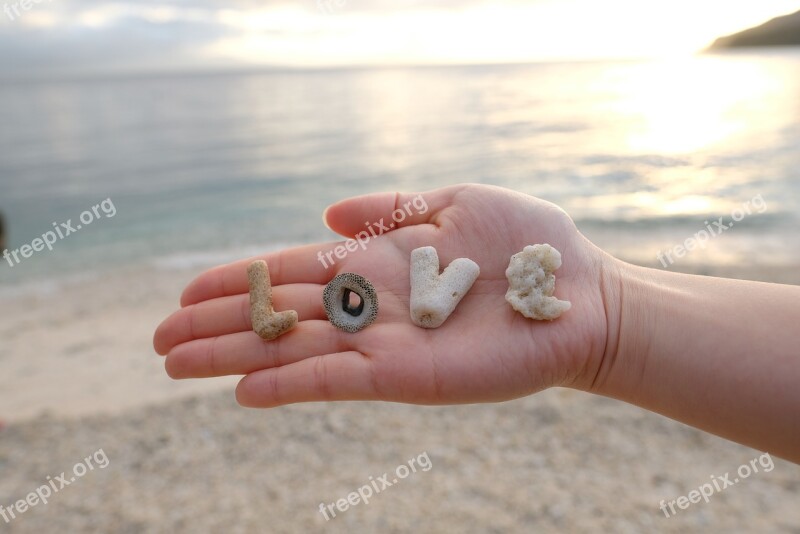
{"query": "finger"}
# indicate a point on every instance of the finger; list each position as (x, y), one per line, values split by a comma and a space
(339, 376)
(353, 215)
(245, 352)
(290, 266)
(228, 315)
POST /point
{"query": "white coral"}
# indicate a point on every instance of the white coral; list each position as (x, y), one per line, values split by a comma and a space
(532, 283)
(434, 296)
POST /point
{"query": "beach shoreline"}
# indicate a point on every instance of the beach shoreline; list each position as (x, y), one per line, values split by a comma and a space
(83, 346)
(78, 375)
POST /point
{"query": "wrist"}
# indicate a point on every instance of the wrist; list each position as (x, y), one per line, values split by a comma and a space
(644, 307)
(715, 354)
(626, 291)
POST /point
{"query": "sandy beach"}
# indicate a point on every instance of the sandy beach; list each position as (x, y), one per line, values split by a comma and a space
(82, 346)
(184, 457)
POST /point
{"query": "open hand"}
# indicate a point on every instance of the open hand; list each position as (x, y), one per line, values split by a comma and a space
(484, 352)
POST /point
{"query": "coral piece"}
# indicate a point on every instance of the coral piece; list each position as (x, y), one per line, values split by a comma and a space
(267, 323)
(435, 296)
(336, 298)
(532, 283)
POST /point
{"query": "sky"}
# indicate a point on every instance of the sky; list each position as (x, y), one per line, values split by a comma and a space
(110, 35)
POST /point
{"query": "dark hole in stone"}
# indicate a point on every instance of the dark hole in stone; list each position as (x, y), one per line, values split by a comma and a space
(352, 303)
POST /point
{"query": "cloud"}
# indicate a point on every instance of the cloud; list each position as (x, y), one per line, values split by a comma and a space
(127, 41)
(81, 35)
(92, 35)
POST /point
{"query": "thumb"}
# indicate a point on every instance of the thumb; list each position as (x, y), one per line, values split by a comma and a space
(387, 210)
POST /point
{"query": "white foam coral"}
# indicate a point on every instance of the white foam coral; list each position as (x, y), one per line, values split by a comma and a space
(531, 283)
(434, 296)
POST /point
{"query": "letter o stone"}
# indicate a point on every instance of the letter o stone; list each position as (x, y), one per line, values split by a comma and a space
(336, 298)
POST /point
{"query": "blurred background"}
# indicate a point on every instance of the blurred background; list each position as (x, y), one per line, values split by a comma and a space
(219, 130)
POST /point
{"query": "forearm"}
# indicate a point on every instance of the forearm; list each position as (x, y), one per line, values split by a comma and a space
(721, 355)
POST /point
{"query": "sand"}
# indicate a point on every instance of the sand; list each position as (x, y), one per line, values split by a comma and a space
(185, 458)
(86, 347)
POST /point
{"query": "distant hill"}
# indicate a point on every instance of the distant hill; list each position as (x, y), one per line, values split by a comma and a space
(780, 31)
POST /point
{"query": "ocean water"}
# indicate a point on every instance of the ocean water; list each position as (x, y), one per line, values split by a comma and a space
(205, 168)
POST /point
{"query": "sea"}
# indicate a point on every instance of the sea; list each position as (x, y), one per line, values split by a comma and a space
(207, 167)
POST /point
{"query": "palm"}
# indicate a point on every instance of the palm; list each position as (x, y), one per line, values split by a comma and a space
(485, 351)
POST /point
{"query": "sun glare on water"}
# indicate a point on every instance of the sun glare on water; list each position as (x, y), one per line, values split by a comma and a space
(689, 104)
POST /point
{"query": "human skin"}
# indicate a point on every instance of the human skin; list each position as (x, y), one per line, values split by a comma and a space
(721, 355)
